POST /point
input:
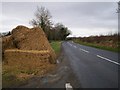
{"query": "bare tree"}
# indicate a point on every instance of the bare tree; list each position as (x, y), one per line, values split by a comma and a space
(42, 19)
(34, 23)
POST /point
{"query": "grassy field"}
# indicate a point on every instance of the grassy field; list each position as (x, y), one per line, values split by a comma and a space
(97, 46)
(56, 45)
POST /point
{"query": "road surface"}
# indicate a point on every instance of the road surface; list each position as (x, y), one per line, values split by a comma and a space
(93, 67)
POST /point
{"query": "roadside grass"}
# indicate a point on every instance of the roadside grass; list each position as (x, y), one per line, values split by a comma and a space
(56, 45)
(97, 46)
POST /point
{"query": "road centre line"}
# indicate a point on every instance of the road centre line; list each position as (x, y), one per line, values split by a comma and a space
(74, 46)
(84, 50)
(108, 60)
(81, 49)
(97, 55)
(70, 44)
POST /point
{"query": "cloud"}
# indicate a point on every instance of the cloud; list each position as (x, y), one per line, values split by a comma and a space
(89, 14)
(8, 23)
(82, 18)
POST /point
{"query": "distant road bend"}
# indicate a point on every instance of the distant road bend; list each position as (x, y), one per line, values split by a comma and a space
(93, 67)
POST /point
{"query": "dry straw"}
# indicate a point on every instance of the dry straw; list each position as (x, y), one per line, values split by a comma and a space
(24, 41)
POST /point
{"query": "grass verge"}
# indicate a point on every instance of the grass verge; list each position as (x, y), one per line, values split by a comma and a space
(97, 46)
(56, 45)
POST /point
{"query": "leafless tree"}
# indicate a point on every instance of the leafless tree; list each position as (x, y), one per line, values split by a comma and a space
(42, 19)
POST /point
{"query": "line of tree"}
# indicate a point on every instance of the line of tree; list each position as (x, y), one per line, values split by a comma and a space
(43, 20)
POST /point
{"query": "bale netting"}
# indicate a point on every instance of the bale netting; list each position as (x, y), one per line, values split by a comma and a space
(24, 38)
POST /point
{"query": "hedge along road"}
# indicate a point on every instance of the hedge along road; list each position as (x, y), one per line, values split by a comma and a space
(93, 67)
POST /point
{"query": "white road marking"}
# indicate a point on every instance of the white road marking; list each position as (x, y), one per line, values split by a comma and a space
(68, 86)
(84, 50)
(75, 47)
(80, 48)
(70, 44)
(108, 60)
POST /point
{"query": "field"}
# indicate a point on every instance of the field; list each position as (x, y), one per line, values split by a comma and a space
(109, 42)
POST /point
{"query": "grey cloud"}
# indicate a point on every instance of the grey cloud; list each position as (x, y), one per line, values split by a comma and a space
(73, 14)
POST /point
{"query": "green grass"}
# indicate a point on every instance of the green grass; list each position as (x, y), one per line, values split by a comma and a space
(97, 46)
(56, 45)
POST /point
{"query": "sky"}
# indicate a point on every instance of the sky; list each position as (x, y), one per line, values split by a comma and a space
(82, 18)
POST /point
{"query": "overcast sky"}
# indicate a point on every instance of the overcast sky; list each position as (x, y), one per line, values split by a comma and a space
(82, 18)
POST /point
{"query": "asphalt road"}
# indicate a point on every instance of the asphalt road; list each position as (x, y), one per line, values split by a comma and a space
(93, 67)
